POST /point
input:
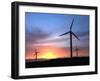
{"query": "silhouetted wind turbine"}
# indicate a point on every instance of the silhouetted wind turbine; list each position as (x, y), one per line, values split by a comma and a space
(36, 52)
(76, 51)
(71, 33)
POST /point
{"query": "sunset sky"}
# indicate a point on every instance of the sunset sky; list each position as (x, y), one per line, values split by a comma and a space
(42, 33)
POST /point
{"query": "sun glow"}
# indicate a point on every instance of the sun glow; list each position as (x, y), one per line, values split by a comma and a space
(48, 52)
(49, 55)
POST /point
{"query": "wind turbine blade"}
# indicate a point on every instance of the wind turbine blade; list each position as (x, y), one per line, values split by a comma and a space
(64, 33)
(71, 24)
(75, 35)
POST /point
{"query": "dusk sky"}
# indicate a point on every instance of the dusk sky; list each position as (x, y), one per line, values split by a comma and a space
(42, 33)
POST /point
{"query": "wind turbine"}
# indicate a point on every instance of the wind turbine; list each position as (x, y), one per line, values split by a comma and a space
(36, 52)
(71, 33)
(76, 51)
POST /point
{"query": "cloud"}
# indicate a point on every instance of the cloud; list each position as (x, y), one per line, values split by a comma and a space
(37, 37)
(55, 39)
(35, 34)
(82, 34)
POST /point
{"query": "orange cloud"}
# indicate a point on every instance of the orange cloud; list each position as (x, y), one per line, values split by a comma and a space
(49, 52)
(53, 52)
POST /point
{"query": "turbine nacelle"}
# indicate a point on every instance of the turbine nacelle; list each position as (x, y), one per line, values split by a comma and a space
(70, 32)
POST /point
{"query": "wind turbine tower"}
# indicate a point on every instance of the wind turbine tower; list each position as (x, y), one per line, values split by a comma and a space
(36, 53)
(76, 51)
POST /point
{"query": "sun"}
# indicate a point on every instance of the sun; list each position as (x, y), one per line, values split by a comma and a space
(49, 55)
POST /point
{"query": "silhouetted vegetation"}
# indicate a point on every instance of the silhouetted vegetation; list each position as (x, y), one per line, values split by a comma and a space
(74, 61)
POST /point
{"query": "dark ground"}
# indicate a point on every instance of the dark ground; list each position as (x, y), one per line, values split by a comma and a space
(75, 61)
